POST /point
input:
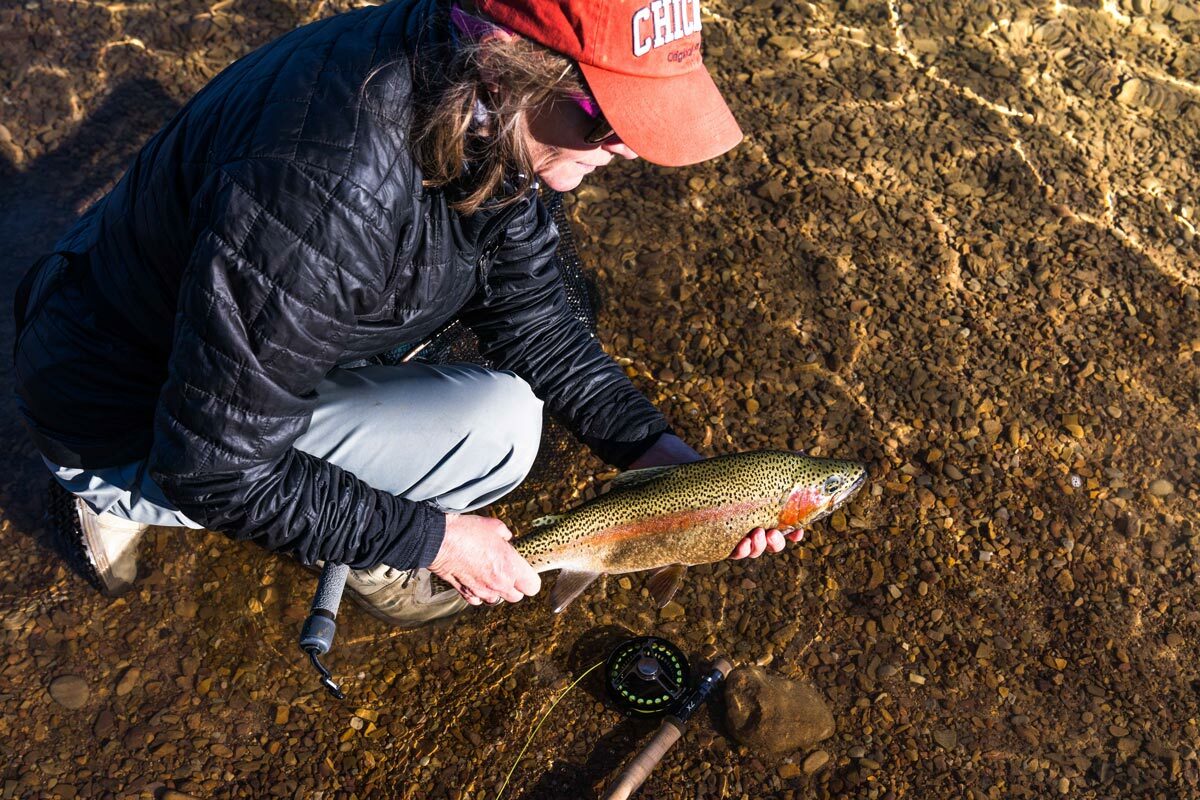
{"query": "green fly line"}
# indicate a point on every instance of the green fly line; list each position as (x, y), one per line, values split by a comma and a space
(533, 733)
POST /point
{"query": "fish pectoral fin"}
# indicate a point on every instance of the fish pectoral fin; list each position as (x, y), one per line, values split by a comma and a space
(664, 583)
(636, 477)
(542, 522)
(569, 585)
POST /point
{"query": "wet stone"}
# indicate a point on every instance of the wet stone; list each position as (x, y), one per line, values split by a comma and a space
(70, 691)
(814, 761)
(671, 611)
(946, 738)
(129, 680)
(772, 715)
(1161, 487)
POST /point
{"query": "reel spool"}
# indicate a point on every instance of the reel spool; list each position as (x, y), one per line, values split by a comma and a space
(646, 675)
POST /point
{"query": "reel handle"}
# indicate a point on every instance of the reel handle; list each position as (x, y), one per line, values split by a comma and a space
(636, 772)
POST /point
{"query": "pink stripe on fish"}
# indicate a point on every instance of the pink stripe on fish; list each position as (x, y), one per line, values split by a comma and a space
(672, 522)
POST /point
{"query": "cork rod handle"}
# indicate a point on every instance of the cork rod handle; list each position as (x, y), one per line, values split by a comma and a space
(641, 766)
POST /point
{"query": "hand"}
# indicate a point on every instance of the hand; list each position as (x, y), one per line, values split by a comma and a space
(670, 449)
(761, 540)
(477, 560)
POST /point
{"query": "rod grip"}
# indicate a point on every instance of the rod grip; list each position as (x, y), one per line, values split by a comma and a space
(320, 627)
(329, 588)
(644, 763)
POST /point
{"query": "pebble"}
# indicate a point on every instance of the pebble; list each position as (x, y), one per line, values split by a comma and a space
(70, 691)
(128, 681)
(814, 761)
(946, 738)
(787, 771)
(104, 724)
(671, 611)
(1161, 487)
(1183, 13)
(1127, 745)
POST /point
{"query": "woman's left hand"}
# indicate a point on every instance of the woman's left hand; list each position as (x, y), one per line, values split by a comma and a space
(670, 449)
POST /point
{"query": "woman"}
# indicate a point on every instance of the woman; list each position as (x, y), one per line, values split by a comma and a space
(341, 191)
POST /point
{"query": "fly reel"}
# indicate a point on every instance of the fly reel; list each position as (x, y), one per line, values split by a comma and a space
(647, 675)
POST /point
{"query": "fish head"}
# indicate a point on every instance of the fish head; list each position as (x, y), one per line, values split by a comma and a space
(819, 487)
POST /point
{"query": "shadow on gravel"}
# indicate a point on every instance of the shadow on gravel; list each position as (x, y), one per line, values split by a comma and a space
(609, 753)
(37, 204)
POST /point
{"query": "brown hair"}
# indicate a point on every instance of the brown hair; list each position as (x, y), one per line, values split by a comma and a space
(445, 134)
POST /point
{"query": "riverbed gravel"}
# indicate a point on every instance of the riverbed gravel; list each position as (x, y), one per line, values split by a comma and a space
(957, 243)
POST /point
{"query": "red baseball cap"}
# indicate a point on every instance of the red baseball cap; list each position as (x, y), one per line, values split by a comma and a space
(642, 62)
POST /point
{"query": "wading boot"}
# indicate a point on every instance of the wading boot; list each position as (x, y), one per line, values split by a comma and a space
(401, 597)
(101, 547)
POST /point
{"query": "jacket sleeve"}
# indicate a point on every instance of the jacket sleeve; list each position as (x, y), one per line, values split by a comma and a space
(265, 303)
(524, 324)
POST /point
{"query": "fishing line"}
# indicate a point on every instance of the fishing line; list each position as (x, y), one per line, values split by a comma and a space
(529, 741)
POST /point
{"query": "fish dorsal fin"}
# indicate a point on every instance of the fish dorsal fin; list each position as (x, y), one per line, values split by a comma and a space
(542, 522)
(569, 585)
(664, 583)
(637, 477)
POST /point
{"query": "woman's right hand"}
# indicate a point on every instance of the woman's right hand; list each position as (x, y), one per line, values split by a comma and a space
(477, 560)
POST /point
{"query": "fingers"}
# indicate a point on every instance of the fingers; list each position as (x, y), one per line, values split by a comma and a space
(775, 541)
(506, 578)
(468, 594)
(760, 541)
(742, 550)
(527, 582)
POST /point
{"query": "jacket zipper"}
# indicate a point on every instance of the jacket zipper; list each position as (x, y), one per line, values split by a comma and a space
(488, 246)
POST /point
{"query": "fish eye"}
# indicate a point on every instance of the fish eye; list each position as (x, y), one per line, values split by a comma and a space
(833, 484)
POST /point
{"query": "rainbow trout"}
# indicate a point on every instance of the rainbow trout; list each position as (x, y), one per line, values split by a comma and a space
(669, 518)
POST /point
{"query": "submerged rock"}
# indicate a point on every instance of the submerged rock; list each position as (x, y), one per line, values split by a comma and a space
(70, 691)
(774, 715)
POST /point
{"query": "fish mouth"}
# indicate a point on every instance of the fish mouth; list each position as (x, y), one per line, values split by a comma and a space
(840, 498)
(850, 491)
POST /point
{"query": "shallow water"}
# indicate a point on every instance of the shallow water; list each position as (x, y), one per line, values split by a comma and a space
(958, 243)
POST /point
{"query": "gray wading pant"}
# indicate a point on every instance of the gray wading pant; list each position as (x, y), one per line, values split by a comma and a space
(458, 435)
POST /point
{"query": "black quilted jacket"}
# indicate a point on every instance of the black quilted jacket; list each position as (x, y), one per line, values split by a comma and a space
(275, 228)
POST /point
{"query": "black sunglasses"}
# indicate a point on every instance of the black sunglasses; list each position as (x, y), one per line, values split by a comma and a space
(600, 131)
